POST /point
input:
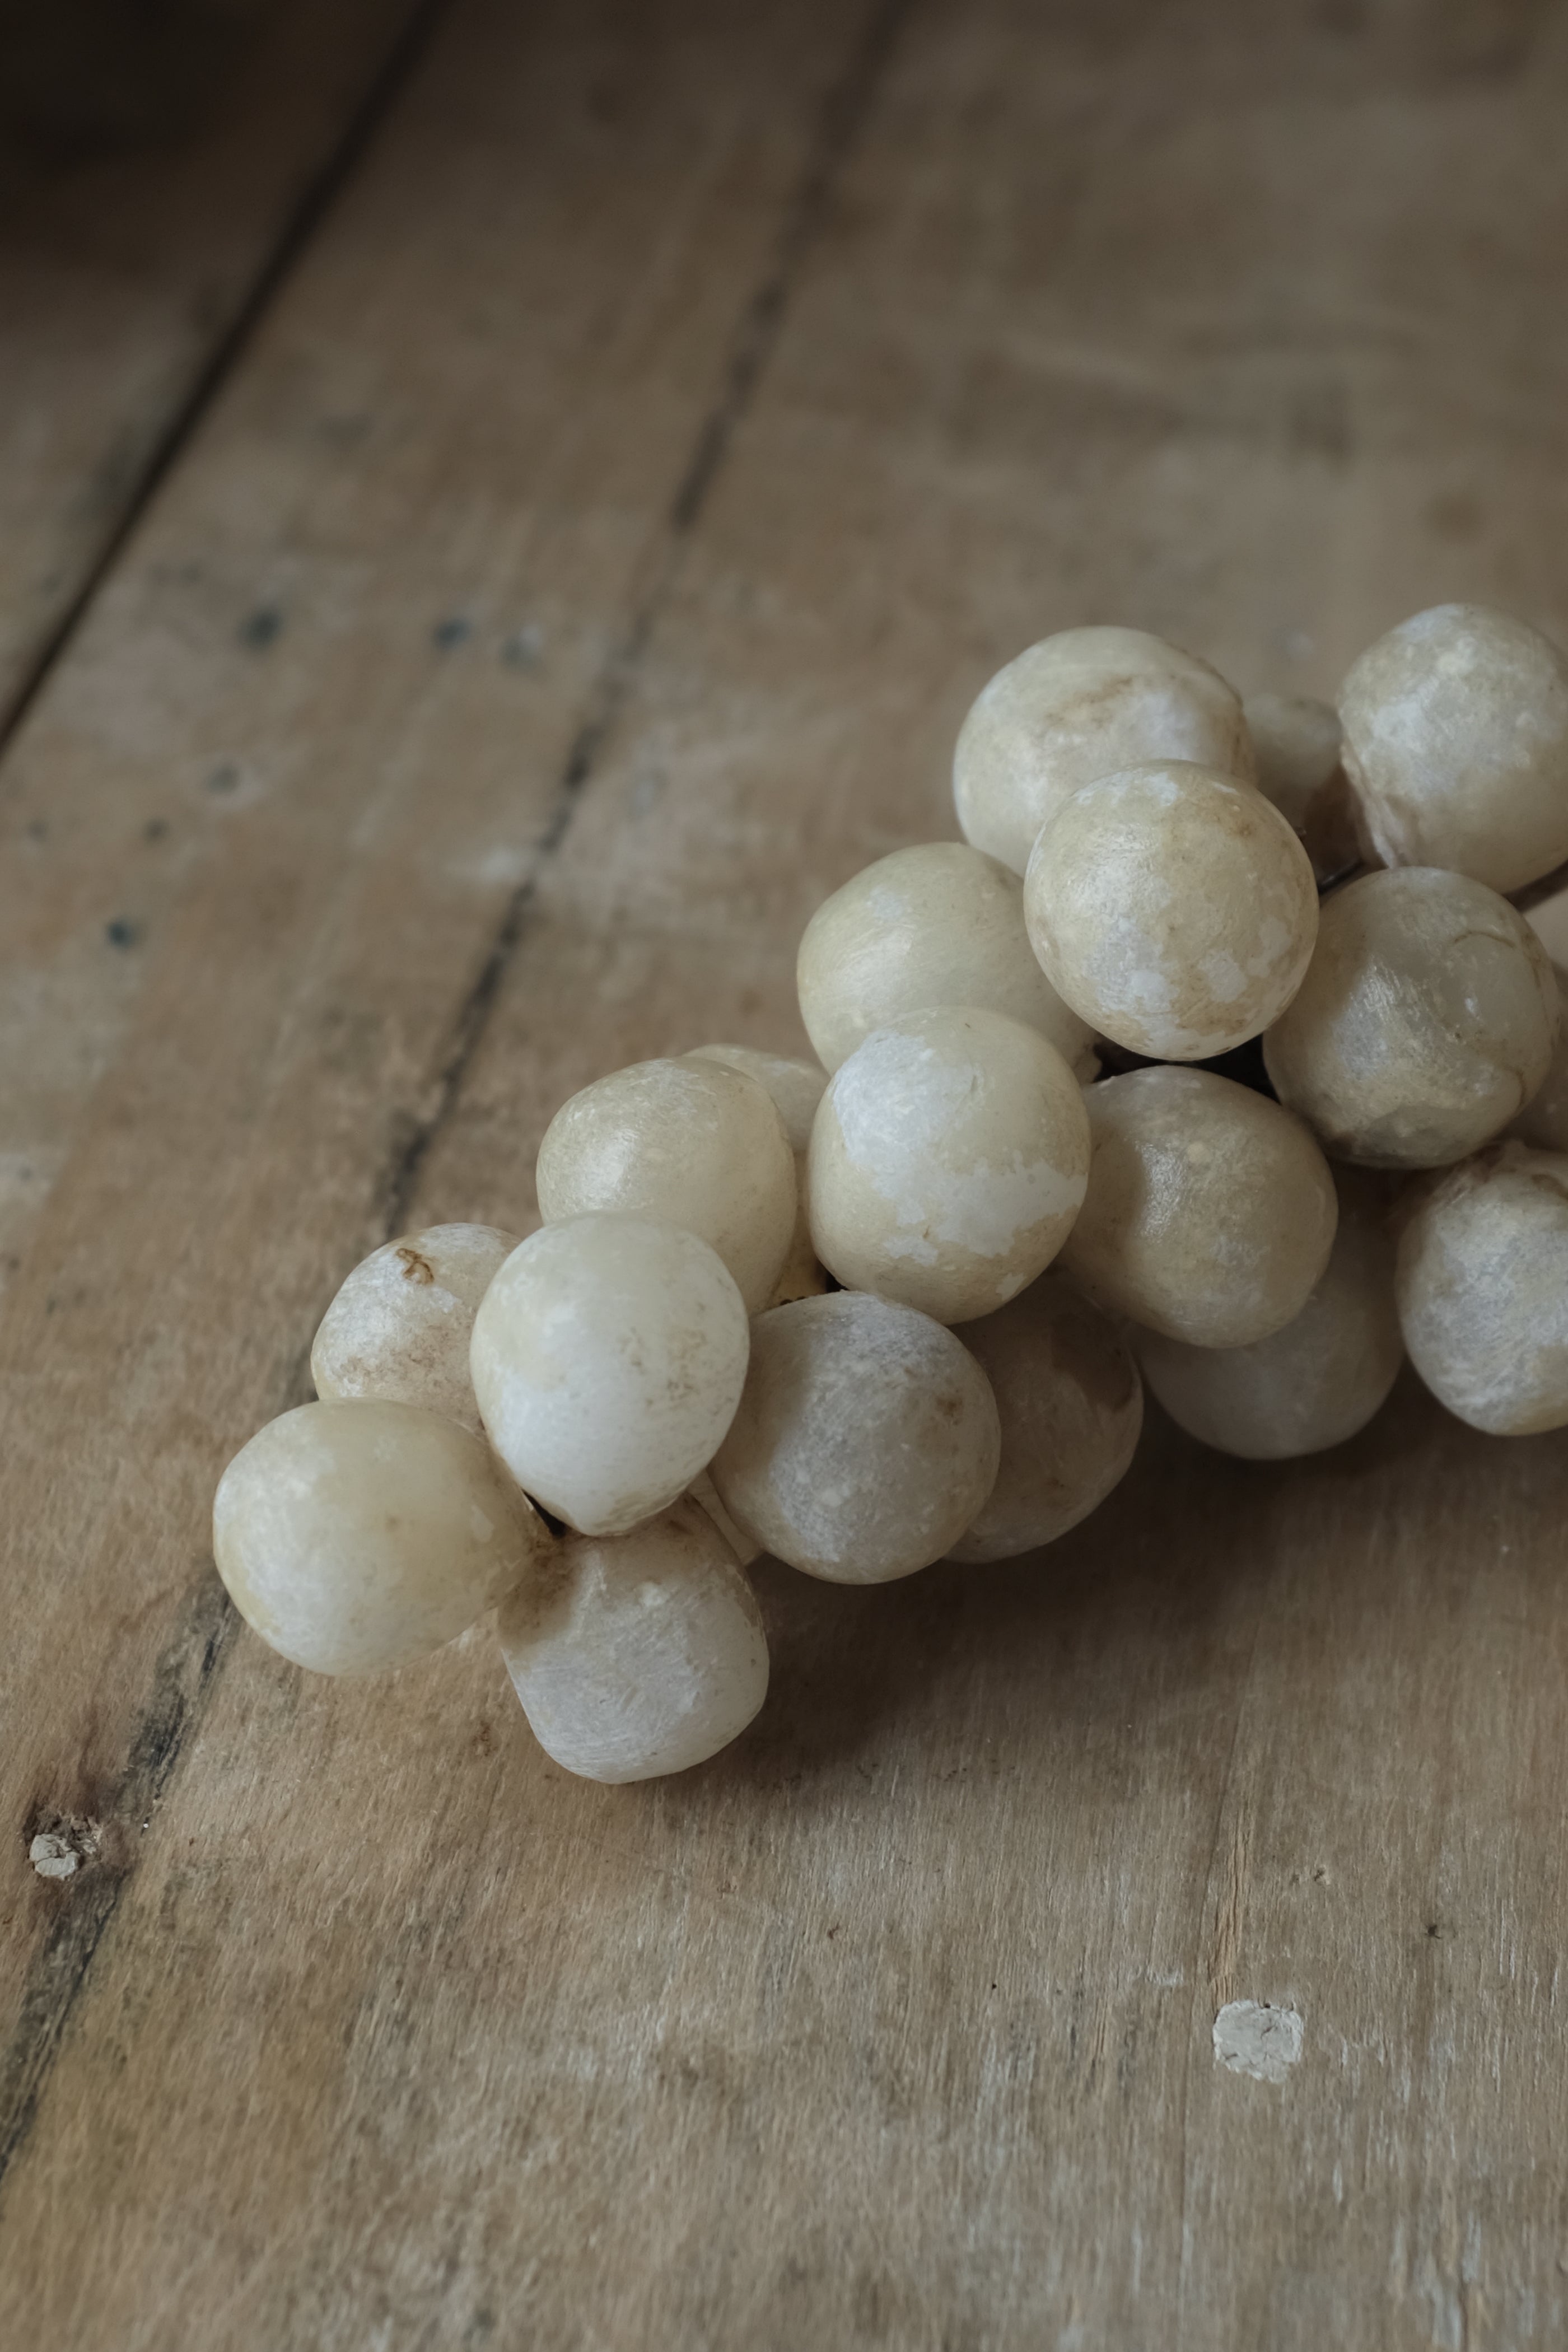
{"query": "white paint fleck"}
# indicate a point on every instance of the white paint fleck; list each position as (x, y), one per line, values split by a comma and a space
(501, 867)
(1253, 2037)
(53, 1857)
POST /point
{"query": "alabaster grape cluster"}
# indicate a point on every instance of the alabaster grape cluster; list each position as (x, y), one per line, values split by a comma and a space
(898, 1304)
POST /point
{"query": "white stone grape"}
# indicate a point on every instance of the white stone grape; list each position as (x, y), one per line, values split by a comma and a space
(608, 1358)
(947, 1163)
(686, 1142)
(937, 924)
(400, 1326)
(795, 1088)
(1070, 1404)
(1296, 741)
(866, 1442)
(355, 1537)
(1210, 1212)
(637, 1655)
(664, 1365)
(1425, 1021)
(1310, 1385)
(1172, 907)
(1080, 704)
(1482, 1285)
(1455, 741)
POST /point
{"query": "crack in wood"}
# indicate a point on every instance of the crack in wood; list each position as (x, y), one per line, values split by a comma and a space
(183, 1679)
(321, 193)
(189, 1668)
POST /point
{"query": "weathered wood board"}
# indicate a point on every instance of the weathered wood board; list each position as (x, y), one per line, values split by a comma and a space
(675, 419)
(149, 174)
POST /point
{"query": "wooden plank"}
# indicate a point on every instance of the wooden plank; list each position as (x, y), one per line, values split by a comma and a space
(259, 873)
(148, 171)
(894, 2026)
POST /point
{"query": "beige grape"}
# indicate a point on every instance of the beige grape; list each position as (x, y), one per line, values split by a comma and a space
(1311, 1384)
(934, 925)
(608, 1358)
(1082, 704)
(1425, 1022)
(1455, 741)
(1171, 907)
(1482, 1284)
(1210, 1213)
(795, 1089)
(358, 1536)
(688, 1142)
(865, 1444)
(637, 1655)
(948, 1161)
(400, 1326)
(1070, 1405)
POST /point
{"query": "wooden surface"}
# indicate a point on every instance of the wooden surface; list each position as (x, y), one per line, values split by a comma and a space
(150, 184)
(579, 567)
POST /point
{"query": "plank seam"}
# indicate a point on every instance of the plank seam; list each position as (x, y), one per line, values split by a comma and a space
(189, 1668)
(182, 1680)
(318, 196)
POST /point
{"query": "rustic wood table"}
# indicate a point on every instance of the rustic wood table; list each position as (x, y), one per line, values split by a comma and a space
(497, 519)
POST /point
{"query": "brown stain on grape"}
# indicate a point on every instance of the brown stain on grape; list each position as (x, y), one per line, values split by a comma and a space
(415, 1267)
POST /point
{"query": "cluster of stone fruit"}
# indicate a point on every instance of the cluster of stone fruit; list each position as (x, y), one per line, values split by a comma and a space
(734, 1331)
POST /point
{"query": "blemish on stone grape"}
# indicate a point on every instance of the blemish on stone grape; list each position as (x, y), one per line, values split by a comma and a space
(415, 1267)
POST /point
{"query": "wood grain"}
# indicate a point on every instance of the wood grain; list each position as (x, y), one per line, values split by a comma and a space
(148, 182)
(854, 356)
(258, 878)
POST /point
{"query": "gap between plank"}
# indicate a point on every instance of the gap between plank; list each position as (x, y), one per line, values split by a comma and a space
(321, 193)
(189, 1667)
(182, 1680)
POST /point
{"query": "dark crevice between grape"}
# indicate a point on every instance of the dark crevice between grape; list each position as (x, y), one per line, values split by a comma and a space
(1243, 1064)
